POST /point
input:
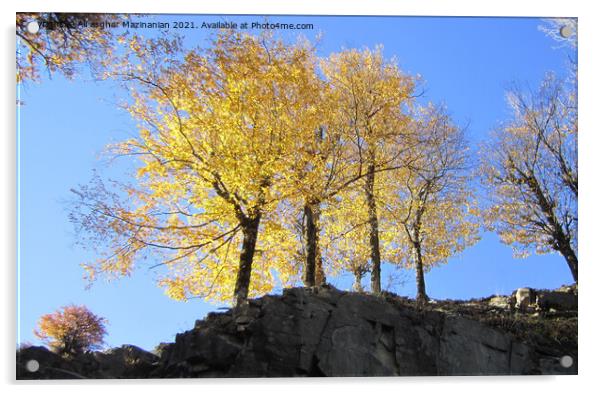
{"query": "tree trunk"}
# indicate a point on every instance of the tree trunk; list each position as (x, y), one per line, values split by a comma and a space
(313, 262)
(374, 238)
(320, 275)
(564, 247)
(561, 239)
(250, 229)
(421, 297)
(357, 285)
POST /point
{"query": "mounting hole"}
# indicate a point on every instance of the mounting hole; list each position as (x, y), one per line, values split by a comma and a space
(566, 361)
(32, 366)
(33, 27)
(566, 31)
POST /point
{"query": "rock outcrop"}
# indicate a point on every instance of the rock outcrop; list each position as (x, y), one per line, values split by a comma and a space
(327, 332)
(562, 299)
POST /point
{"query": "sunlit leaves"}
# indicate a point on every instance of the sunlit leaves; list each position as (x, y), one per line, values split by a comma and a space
(433, 205)
(252, 130)
(530, 171)
(71, 330)
(217, 138)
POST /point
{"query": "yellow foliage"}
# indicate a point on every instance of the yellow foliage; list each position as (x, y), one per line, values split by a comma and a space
(253, 129)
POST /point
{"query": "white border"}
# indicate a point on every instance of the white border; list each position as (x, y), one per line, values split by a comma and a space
(321, 7)
(589, 101)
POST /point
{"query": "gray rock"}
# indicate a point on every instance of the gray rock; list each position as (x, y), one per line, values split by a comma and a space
(127, 361)
(324, 332)
(559, 301)
(467, 348)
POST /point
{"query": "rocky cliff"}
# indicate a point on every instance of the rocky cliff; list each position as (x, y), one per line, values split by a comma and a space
(327, 332)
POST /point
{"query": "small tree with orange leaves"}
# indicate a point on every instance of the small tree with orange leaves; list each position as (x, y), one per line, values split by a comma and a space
(71, 330)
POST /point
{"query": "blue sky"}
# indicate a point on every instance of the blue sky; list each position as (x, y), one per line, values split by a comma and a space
(64, 126)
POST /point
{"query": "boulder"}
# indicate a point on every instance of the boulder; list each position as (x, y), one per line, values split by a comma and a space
(523, 299)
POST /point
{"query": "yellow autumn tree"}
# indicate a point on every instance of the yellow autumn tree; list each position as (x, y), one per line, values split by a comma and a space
(433, 204)
(321, 171)
(530, 171)
(370, 94)
(317, 171)
(346, 226)
(329, 160)
(218, 132)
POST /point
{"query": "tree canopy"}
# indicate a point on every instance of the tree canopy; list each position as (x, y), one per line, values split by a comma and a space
(260, 164)
(72, 330)
(530, 169)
